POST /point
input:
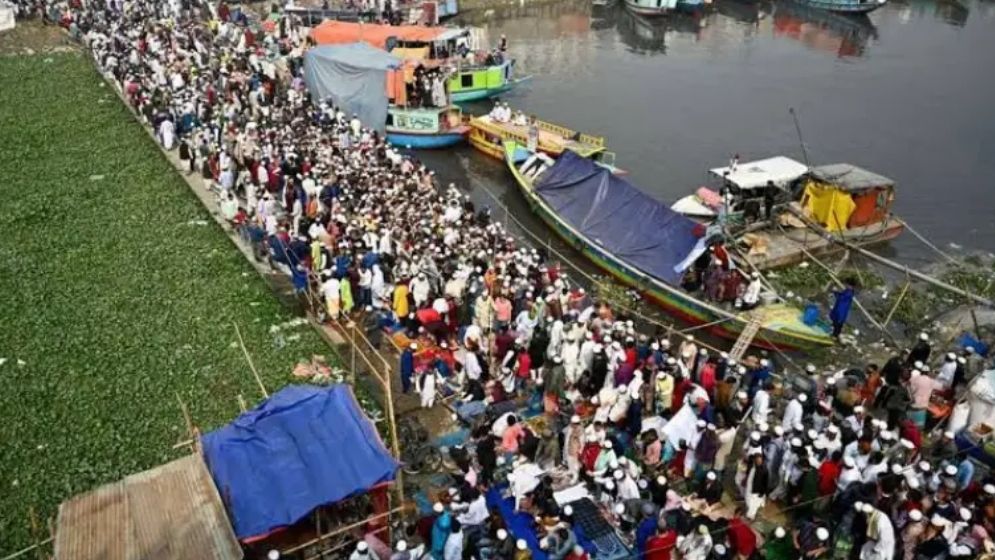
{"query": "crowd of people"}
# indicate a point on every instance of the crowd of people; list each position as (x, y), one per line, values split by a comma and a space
(679, 447)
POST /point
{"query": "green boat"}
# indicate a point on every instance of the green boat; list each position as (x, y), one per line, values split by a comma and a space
(473, 83)
(648, 271)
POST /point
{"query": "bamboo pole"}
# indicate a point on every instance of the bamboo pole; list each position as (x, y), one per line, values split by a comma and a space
(248, 358)
(901, 296)
(341, 530)
(860, 306)
(892, 264)
(28, 549)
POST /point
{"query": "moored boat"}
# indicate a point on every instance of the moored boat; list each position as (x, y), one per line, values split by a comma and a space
(845, 6)
(425, 128)
(642, 243)
(651, 8)
(488, 135)
(852, 203)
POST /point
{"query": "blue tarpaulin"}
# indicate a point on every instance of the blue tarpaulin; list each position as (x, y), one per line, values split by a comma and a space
(353, 77)
(623, 220)
(303, 447)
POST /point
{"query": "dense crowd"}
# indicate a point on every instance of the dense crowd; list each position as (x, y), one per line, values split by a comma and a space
(561, 394)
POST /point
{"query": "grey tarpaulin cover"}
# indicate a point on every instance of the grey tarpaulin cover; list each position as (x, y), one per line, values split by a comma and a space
(353, 77)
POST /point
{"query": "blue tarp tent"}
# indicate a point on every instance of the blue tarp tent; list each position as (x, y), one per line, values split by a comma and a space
(303, 447)
(619, 217)
(353, 77)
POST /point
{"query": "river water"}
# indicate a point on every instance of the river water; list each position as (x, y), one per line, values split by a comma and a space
(906, 92)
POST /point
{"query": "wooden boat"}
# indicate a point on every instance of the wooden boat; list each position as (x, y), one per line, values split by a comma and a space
(489, 136)
(474, 83)
(780, 325)
(853, 203)
(845, 6)
(651, 8)
(425, 128)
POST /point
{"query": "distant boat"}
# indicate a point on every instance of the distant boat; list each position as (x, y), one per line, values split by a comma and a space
(651, 8)
(643, 244)
(845, 6)
(425, 128)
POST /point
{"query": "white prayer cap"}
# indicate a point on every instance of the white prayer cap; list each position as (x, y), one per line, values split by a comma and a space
(607, 444)
(923, 336)
(916, 373)
(661, 480)
(642, 484)
(610, 484)
(620, 508)
(822, 533)
(780, 532)
(866, 508)
(711, 475)
(273, 555)
(858, 409)
(907, 444)
(779, 430)
(810, 368)
(502, 534)
(924, 466)
(689, 338)
(798, 427)
(720, 549)
(896, 469)
(703, 352)
(711, 427)
(437, 507)
(802, 397)
(618, 475)
(950, 470)
(948, 434)
(671, 361)
(812, 434)
(965, 514)
(575, 419)
(796, 442)
(961, 360)
(414, 346)
(831, 381)
(833, 429)
(764, 427)
(858, 506)
(362, 546)
(951, 356)
(989, 488)
(700, 423)
(938, 520)
(915, 515)
(402, 545)
(913, 483)
(742, 395)
(755, 436)
(918, 364)
(520, 544)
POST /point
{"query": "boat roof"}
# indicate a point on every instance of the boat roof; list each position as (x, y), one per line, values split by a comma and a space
(849, 177)
(337, 32)
(780, 170)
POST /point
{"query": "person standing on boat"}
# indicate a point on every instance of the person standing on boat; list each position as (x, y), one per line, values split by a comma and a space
(533, 134)
(770, 196)
(841, 307)
(503, 45)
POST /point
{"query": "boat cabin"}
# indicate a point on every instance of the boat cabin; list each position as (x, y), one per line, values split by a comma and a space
(744, 184)
(842, 196)
(424, 120)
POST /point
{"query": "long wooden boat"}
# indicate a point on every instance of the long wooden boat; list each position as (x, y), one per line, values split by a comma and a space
(426, 128)
(845, 6)
(781, 325)
(488, 136)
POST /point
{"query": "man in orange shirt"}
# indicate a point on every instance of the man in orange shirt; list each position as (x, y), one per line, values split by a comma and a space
(512, 436)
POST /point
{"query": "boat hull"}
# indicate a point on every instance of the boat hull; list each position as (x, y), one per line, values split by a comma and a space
(844, 7)
(480, 94)
(674, 301)
(819, 246)
(647, 11)
(426, 141)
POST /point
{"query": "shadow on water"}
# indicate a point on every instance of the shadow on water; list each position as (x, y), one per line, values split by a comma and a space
(845, 35)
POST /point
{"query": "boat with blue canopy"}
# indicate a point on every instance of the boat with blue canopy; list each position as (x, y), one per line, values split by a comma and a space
(644, 244)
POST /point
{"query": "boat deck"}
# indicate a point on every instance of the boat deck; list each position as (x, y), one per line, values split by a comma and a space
(778, 248)
(552, 137)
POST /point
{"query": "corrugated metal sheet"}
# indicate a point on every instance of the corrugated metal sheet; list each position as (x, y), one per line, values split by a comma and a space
(171, 512)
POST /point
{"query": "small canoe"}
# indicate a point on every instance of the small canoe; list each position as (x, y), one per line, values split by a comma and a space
(781, 325)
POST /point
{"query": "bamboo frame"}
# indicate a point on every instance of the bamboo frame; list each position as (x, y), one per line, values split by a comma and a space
(340, 530)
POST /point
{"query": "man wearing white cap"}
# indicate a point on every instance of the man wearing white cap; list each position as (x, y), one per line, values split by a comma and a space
(793, 412)
(855, 422)
(912, 533)
(761, 406)
(363, 552)
(945, 376)
(880, 543)
(757, 486)
(848, 475)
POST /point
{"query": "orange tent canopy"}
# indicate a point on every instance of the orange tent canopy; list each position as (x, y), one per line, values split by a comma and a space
(338, 32)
